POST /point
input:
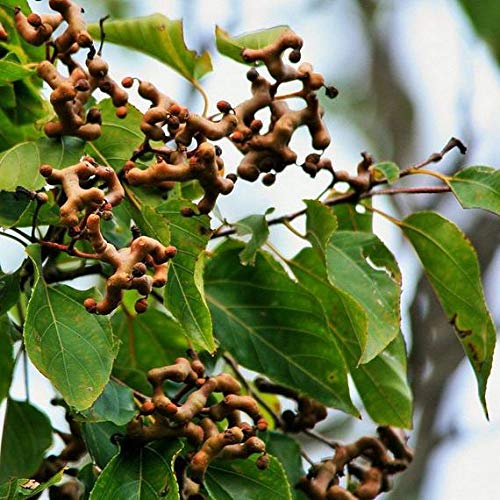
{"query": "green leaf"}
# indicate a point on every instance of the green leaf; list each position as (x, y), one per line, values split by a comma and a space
(12, 207)
(477, 187)
(321, 223)
(27, 433)
(72, 348)
(232, 46)
(256, 226)
(10, 71)
(9, 290)
(19, 165)
(147, 340)
(119, 135)
(115, 404)
(387, 170)
(275, 326)
(238, 479)
(381, 383)
(87, 475)
(6, 356)
(159, 37)
(361, 265)
(150, 222)
(140, 474)
(184, 294)
(287, 451)
(353, 217)
(451, 264)
(19, 488)
(98, 441)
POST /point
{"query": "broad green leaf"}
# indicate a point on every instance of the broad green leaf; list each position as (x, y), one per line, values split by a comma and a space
(147, 340)
(381, 383)
(361, 265)
(477, 187)
(27, 433)
(184, 294)
(274, 326)
(87, 475)
(6, 356)
(321, 223)
(98, 441)
(353, 217)
(12, 207)
(9, 290)
(150, 222)
(10, 71)
(383, 386)
(119, 136)
(19, 165)
(451, 264)
(232, 46)
(256, 226)
(71, 347)
(140, 474)
(238, 479)
(287, 451)
(387, 170)
(20, 488)
(159, 37)
(115, 404)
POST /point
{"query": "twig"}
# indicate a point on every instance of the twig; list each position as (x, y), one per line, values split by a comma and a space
(234, 366)
(321, 438)
(54, 275)
(407, 190)
(15, 238)
(139, 395)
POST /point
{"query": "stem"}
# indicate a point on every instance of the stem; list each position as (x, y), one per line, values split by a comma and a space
(408, 190)
(204, 95)
(23, 234)
(54, 275)
(139, 395)
(321, 438)
(287, 224)
(439, 176)
(234, 366)
(383, 214)
(15, 238)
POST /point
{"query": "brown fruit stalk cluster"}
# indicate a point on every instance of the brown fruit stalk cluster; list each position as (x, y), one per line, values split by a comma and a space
(270, 151)
(213, 426)
(70, 95)
(371, 461)
(309, 411)
(177, 164)
(130, 265)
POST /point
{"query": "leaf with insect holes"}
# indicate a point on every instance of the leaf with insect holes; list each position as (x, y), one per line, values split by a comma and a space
(159, 37)
(361, 265)
(232, 46)
(72, 348)
(387, 170)
(451, 264)
(477, 187)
